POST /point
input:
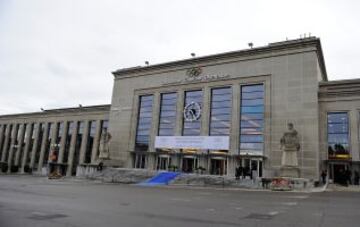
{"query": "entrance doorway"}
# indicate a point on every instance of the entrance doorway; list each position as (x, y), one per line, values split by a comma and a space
(139, 161)
(218, 166)
(252, 167)
(338, 172)
(163, 162)
(189, 164)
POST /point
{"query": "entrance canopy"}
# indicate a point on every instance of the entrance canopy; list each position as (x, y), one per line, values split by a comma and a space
(193, 142)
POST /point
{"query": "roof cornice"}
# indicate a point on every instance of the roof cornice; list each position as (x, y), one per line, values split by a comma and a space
(278, 46)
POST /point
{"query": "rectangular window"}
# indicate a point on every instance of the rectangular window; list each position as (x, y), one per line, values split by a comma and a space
(252, 119)
(338, 135)
(220, 111)
(192, 113)
(90, 142)
(167, 118)
(39, 141)
(2, 139)
(23, 142)
(144, 123)
(59, 132)
(79, 137)
(48, 143)
(139, 161)
(69, 132)
(8, 142)
(31, 142)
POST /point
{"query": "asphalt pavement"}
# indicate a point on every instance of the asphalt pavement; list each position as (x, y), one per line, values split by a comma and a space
(37, 201)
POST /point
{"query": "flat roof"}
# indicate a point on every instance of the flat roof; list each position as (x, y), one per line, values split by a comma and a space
(251, 51)
(105, 107)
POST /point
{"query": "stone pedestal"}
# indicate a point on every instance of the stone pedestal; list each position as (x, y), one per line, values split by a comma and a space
(290, 171)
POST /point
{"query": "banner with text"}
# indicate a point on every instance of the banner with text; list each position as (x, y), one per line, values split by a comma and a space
(193, 142)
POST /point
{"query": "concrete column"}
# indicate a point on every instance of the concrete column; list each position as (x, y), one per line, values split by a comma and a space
(43, 145)
(235, 121)
(84, 142)
(2, 137)
(63, 142)
(54, 135)
(179, 113)
(354, 134)
(6, 142)
(204, 161)
(35, 145)
(28, 135)
(154, 122)
(95, 148)
(70, 160)
(151, 161)
(20, 143)
(12, 146)
(205, 112)
(231, 165)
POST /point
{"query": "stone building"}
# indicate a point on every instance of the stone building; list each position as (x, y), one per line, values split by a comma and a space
(209, 114)
(26, 140)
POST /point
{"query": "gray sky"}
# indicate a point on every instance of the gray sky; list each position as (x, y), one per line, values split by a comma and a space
(59, 53)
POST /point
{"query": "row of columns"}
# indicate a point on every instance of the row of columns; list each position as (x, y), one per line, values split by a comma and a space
(16, 153)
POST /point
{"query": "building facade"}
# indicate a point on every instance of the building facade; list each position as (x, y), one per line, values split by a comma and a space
(26, 140)
(209, 114)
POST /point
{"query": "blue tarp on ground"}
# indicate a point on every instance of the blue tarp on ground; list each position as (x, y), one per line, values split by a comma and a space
(162, 178)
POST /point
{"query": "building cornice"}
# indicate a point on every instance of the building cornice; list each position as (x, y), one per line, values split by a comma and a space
(50, 112)
(272, 47)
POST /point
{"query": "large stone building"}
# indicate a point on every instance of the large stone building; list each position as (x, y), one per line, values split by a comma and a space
(212, 113)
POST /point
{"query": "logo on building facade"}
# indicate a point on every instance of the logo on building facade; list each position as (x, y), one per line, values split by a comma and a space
(192, 111)
(194, 72)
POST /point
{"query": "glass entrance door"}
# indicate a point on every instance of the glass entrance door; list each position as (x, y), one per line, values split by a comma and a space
(163, 162)
(189, 164)
(252, 167)
(218, 167)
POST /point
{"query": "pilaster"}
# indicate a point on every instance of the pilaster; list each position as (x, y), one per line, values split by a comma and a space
(95, 148)
(70, 160)
(64, 134)
(84, 142)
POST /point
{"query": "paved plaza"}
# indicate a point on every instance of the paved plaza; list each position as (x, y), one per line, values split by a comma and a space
(37, 201)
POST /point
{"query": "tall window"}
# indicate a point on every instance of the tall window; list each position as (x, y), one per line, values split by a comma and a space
(167, 119)
(79, 137)
(31, 142)
(252, 119)
(59, 132)
(23, 142)
(90, 141)
(192, 122)
(39, 141)
(338, 135)
(8, 142)
(220, 111)
(48, 142)
(69, 132)
(144, 123)
(104, 128)
(2, 139)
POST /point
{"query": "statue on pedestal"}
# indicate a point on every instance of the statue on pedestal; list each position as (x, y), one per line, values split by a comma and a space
(104, 145)
(290, 146)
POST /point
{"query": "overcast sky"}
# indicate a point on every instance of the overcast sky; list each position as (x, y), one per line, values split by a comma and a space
(60, 53)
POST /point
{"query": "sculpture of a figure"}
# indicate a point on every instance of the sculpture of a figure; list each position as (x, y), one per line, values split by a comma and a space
(290, 146)
(104, 145)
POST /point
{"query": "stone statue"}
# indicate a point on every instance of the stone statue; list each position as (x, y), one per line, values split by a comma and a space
(290, 146)
(104, 145)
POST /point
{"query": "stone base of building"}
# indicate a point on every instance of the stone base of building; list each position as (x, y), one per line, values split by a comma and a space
(290, 171)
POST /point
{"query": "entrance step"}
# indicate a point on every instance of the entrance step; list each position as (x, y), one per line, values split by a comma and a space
(162, 178)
